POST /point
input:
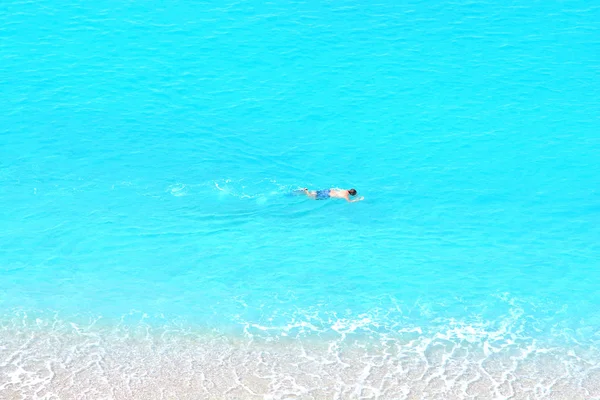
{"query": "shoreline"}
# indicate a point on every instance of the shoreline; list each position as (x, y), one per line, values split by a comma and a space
(86, 363)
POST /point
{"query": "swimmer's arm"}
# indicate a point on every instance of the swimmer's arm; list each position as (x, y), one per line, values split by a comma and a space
(353, 201)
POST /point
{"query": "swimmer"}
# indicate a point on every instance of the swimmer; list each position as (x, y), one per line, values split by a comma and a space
(332, 193)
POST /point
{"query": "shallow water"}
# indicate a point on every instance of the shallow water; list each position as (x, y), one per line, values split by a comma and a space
(147, 160)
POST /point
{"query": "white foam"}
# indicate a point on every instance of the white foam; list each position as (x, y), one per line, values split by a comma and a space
(178, 190)
(48, 358)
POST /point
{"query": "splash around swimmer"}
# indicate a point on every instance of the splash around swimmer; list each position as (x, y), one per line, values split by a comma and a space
(332, 194)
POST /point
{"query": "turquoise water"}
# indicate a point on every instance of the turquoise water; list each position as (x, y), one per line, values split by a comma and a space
(148, 151)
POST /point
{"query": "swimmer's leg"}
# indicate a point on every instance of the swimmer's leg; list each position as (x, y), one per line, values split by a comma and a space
(311, 193)
(300, 192)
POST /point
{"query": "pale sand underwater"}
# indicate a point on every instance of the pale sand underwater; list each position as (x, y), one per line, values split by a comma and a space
(71, 362)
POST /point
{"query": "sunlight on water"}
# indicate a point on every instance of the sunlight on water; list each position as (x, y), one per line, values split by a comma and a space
(153, 243)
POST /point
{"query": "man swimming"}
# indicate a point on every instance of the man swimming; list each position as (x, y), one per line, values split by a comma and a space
(332, 193)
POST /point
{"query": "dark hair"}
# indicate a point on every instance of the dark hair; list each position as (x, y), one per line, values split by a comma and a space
(352, 192)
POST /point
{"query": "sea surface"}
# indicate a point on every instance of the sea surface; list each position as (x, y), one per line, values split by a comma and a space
(152, 246)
